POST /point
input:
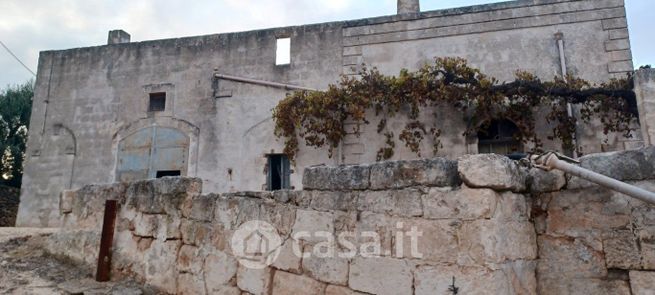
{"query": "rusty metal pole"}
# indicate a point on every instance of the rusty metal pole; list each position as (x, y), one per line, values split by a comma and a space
(106, 240)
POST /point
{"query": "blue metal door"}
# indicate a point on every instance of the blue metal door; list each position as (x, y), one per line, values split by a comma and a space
(149, 150)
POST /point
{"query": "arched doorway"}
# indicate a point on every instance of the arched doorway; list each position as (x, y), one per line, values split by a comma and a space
(500, 137)
(152, 152)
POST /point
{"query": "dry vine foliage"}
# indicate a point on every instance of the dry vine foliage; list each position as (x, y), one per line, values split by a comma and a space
(318, 117)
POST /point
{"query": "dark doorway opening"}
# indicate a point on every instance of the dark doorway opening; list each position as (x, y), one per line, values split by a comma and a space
(279, 172)
(500, 137)
(165, 173)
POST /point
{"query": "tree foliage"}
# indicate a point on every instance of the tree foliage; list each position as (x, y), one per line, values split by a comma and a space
(318, 117)
(15, 110)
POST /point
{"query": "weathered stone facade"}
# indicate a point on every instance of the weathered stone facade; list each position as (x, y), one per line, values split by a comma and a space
(91, 113)
(523, 231)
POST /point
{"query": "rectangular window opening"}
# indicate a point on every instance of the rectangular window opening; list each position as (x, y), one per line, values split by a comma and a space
(157, 102)
(166, 173)
(283, 51)
(279, 172)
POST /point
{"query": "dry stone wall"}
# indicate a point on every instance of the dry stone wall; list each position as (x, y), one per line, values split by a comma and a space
(482, 224)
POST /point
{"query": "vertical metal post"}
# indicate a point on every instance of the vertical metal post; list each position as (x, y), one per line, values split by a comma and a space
(569, 108)
(106, 240)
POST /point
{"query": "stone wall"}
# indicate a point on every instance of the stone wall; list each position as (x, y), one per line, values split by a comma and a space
(88, 100)
(492, 225)
(645, 90)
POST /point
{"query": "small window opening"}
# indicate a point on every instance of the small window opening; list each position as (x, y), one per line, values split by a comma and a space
(157, 102)
(283, 51)
(279, 172)
(166, 173)
(500, 137)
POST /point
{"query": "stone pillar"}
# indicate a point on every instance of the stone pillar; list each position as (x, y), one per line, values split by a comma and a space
(408, 6)
(118, 37)
(645, 90)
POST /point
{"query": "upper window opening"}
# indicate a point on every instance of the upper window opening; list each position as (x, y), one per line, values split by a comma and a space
(283, 51)
(157, 102)
(279, 172)
(500, 137)
(168, 173)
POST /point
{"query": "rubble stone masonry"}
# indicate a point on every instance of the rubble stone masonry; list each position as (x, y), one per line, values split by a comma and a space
(489, 224)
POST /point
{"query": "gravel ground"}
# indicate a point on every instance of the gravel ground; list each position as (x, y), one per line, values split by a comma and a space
(26, 269)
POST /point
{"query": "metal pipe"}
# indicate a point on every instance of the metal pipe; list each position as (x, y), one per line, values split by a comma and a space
(552, 161)
(264, 83)
(569, 108)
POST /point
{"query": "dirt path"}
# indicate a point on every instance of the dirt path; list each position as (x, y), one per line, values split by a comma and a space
(26, 269)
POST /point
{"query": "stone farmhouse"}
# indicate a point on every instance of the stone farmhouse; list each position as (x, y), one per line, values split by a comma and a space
(201, 106)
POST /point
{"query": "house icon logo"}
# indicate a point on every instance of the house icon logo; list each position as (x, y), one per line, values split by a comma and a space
(256, 244)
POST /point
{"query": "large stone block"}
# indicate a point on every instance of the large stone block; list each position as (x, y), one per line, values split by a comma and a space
(492, 171)
(336, 178)
(160, 265)
(330, 269)
(621, 250)
(541, 181)
(219, 269)
(146, 225)
(254, 281)
(405, 202)
(436, 242)
(429, 172)
(189, 259)
(569, 258)
(287, 260)
(646, 237)
(280, 216)
(339, 290)
(471, 280)
(464, 203)
(164, 195)
(200, 208)
(308, 223)
(622, 165)
(286, 283)
(327, 201)
(190, 284)
(380, 275)
(567, 285)
(490, 241)
(642, 282)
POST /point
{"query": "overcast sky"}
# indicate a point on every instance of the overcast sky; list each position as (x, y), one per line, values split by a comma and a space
(30, 26)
